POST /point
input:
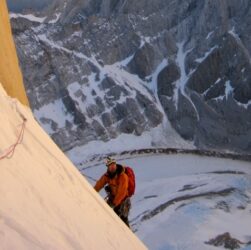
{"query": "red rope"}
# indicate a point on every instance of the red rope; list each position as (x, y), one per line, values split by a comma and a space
(9, 152)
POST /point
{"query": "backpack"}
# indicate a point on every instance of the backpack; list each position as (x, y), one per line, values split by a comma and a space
(131, 180)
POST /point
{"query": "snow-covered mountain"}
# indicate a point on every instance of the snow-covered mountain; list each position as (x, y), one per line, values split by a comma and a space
(184, 201)
(96, 70)
(181, 202)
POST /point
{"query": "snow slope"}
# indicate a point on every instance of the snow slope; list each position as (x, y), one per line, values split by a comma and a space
(45, 202)
(183, 201)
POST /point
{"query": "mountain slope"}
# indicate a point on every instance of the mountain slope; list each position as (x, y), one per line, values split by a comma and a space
(45, 202)
(179, 64)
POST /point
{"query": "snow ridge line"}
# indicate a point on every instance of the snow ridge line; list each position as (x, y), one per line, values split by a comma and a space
(163, 206)
(97, 159)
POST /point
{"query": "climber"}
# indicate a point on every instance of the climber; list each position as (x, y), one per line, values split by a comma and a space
(119, 183)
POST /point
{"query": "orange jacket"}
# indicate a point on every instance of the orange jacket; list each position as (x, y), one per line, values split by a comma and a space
(118, 185)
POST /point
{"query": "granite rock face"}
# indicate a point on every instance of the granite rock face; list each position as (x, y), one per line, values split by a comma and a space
(99, 68)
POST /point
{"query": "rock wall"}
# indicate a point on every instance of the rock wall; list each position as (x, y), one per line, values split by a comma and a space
(123, 66)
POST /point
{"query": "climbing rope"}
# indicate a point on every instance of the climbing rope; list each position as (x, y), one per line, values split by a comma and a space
(89, 177)
(9, 152)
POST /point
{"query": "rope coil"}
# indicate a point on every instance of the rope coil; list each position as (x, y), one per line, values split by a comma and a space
(9, 152)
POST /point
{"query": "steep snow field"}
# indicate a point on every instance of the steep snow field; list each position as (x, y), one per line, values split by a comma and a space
(45, 203)
(182, 201)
